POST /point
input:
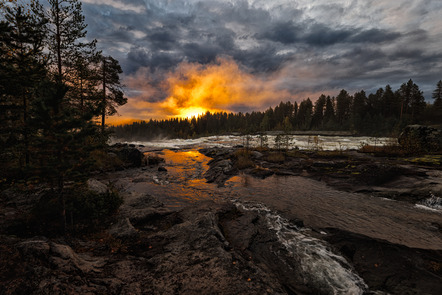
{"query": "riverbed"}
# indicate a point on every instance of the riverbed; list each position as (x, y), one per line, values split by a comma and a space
(305, 214)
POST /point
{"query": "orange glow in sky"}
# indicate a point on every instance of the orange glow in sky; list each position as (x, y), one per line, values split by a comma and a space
(195, 89)
(192, 89)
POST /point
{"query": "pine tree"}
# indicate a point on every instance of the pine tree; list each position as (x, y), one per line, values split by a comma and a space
(359, 109)
(66, 28)
(318, 115)
(21, 67)
(329, 113)
(343, 107)
(437, 96)
(305, 113)
(412, 100)
(112, 94)
(64, 138)
(391, 102)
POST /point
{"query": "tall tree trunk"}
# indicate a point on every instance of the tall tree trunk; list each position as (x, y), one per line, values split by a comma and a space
(103, 102)
(60, 188)
(25, 130)
(58, 40)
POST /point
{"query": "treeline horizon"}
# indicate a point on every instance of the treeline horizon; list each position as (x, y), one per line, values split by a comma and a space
(383, 113)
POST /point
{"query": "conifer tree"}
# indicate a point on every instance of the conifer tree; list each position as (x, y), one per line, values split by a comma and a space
(67, 27)
(64, 138)
(412, 100)
(329, 113)
(111, 95)
(318, 114)
(437, 105)
(21, 67)
(437, 95)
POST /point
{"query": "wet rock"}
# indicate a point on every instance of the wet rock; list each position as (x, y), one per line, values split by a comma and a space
(248, 233)
(162, 169)
(153, 160)
(131, 156)
(97, 186)
(220, 170)
(256, 154)
(260, 172)
(123, 229)
(392, 268)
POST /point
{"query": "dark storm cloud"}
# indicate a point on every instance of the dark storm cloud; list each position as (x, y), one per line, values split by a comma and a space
(322, 35)
(308, 45)
(317, 34)
(162, 39)
(375, 36)
(285, 33)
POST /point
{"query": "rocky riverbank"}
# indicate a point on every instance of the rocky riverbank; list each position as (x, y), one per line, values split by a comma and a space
(401, 178)
(214, 246)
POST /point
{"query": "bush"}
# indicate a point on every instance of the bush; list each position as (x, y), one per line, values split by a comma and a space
(91, 206)
(84, 208)
(243, 160)
(276, 157)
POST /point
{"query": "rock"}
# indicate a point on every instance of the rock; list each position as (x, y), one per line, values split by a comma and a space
(112, 155)
(225, 165)
(153, 160)
(256, 154)
(426, 137)
(123, 229)
(261, 172)
(130, 155)
(34, 247)
(62, 257)
(162, 169)
(377, 174)
(97, 186)
(395, 269)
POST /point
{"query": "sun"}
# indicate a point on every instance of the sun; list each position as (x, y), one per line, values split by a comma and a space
(191, 112)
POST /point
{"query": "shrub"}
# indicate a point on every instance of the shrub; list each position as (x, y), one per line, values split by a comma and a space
(104, 161)
(91, 206)
(84, 208)
(276, 158)
(243, 160)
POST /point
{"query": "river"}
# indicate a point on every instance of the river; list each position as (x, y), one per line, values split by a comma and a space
(284, 198)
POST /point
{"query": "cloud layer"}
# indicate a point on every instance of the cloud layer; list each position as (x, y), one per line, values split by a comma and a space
(301, 47)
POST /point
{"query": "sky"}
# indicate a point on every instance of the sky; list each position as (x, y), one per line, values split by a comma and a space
(181, 57)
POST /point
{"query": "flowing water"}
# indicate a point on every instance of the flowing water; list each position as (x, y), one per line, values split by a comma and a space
(319, 266)
(281, 198)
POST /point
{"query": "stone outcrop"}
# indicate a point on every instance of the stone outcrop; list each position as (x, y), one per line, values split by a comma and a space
(428, 138)
(129, 154)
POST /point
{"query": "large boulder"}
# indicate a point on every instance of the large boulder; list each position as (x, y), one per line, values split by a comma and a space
(425, 137)
(129, 154)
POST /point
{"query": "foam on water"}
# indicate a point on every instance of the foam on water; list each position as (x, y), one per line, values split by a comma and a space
(319, 266)
(299, 141)
(433, 203)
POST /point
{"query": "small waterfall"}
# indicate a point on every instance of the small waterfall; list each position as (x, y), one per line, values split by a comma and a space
(319, 266)
(432, 202)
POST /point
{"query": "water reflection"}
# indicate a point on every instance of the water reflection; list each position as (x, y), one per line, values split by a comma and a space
(317, 204)
(183, 183)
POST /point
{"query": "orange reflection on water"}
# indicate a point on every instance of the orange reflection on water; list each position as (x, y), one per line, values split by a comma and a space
(185, 173)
